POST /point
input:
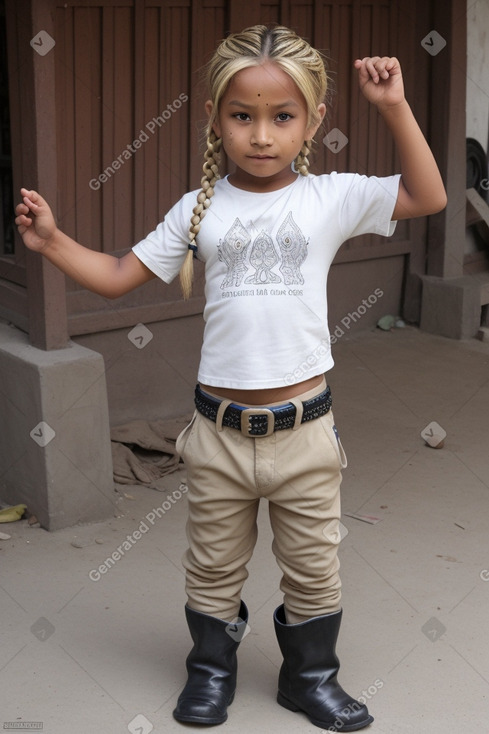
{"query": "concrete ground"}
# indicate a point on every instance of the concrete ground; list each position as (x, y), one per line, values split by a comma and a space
(85, 651)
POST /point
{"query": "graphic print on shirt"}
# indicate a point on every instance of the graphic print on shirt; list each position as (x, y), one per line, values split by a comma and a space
(293, 246)
(263, 257)
(232, 251)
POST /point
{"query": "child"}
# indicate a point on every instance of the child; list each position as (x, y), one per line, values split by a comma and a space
(263, 427)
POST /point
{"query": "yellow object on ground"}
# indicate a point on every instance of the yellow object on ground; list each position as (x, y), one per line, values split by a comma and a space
(11, 514)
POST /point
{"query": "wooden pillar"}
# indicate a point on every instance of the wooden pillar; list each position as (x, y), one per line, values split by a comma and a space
(446, 236)
(33, 82)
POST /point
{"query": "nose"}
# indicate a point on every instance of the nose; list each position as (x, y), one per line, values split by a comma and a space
(261, 134)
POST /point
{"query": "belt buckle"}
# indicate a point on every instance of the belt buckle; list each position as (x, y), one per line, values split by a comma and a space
(247, 425)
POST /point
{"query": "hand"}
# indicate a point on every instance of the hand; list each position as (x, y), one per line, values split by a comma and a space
(380, 80)
(34, 221)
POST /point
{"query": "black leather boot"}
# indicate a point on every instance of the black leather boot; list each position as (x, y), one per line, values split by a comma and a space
(212, 666)
(307, 680)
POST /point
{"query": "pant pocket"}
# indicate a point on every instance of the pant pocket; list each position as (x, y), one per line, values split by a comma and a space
(183, 437)
(341, 450)
(334, 437)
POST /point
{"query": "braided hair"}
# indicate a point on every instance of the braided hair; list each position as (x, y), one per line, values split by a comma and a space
(239, 51)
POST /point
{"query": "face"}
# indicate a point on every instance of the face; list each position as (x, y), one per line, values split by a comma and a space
(263, 123)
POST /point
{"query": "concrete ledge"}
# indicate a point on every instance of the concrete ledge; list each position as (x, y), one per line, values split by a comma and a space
(451, 307)
(55, 452)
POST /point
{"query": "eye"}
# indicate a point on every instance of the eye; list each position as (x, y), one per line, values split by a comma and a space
(284, 117)
(242, 116)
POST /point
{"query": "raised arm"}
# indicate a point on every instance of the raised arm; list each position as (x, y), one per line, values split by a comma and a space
(104, 274)
(421, 189)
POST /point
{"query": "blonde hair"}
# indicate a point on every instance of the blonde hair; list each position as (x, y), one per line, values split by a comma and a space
(304, 64)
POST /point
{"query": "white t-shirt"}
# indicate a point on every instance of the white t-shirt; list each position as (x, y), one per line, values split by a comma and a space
(267, 257)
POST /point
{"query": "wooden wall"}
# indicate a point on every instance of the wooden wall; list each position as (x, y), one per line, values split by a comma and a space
(119, 65)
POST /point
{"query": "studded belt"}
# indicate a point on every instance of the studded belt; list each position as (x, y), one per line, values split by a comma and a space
(261, 421)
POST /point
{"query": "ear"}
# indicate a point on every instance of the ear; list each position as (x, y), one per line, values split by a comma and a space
(312, 130)
(209, 108)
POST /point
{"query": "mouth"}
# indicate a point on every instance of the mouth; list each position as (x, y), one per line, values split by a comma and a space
(262, 157)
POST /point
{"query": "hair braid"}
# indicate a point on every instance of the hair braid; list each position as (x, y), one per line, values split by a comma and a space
(301, 163)
(208, 181)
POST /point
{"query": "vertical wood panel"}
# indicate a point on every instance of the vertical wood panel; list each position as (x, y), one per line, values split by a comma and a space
(86, 44)
(208, 26)
(173, 134)
(141, 196)
(103, 198)
(333, 36)
(270, 12)
(299, 15)
(125, 133)
(146, 165)
(242, 15)
(65, 120)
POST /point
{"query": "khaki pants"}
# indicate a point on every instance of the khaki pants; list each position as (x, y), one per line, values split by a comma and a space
(299, 472)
